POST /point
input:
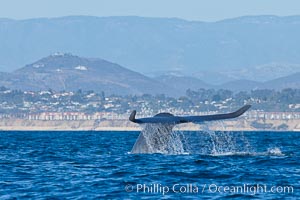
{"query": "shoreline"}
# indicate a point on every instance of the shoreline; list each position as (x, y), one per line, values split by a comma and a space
(125, 125)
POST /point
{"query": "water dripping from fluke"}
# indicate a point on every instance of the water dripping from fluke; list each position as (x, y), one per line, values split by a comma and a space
(227, 143)
(162, 139)
(157, 138)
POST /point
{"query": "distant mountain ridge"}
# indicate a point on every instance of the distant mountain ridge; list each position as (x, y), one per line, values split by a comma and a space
(154, 44)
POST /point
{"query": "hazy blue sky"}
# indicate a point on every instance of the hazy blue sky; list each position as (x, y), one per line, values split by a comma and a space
(203, 10)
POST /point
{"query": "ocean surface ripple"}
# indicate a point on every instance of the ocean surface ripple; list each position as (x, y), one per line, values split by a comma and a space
(99, 165)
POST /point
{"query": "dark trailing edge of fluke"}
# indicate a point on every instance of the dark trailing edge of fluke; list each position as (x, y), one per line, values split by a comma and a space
(167, 118)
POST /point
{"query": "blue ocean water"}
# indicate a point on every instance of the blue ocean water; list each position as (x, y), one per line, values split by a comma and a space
(99, 165)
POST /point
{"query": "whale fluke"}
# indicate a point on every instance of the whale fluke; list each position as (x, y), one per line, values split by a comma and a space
(167, 118)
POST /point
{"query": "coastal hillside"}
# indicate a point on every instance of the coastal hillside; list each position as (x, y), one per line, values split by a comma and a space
(70, 73)
(67, 72)
(291, 81)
